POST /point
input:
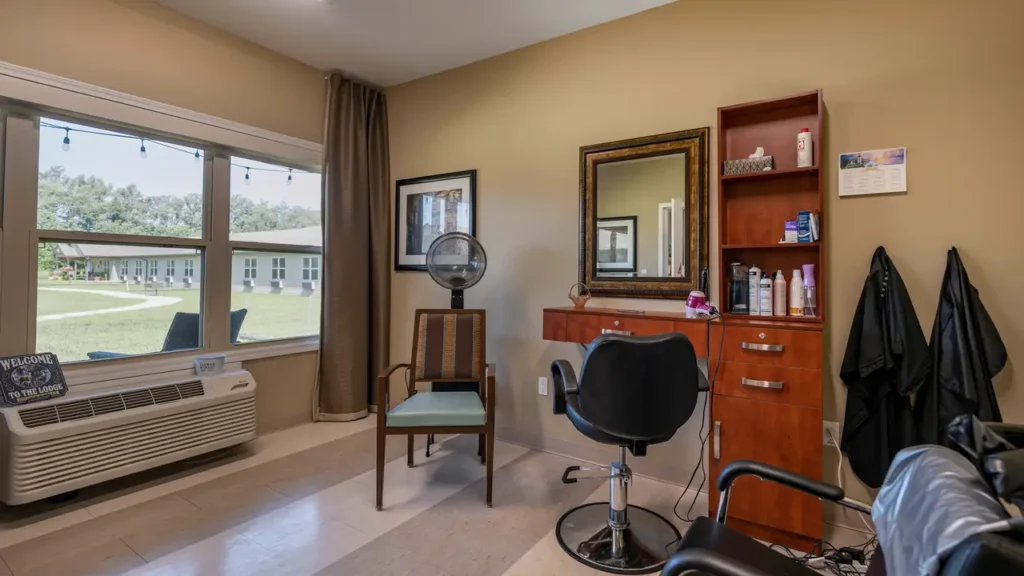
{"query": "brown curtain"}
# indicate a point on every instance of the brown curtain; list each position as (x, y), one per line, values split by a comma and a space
(356, 312)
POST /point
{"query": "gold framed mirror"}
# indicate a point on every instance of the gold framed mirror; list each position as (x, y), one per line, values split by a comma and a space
(644, 215)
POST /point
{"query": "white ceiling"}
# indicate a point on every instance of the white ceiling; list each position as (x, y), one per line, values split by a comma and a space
(387, 42)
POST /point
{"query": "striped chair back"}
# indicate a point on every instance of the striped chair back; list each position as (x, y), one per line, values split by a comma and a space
(448, 345)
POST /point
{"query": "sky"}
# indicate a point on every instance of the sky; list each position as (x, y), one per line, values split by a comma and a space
(165, 172)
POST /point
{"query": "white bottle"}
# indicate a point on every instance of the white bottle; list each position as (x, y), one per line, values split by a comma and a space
(754, 286)
(780, 294)
(804, 149)
(796, 294)
(765, 294)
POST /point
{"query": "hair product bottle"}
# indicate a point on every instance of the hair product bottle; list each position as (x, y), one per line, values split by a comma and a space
(796, 295)
(765, 294)
(780, 294)
(754, 284)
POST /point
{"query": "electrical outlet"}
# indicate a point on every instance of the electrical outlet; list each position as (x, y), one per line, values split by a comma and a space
(542, 386)
(827, 428)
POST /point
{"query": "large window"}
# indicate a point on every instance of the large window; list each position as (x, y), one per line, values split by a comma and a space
(81, 315)
(275, 226)
(113, 208)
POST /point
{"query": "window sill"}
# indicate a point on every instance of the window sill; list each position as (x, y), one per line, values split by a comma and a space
(139, 369)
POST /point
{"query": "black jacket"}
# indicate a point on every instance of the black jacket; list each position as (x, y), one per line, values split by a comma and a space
(886, 360)
(966, 353)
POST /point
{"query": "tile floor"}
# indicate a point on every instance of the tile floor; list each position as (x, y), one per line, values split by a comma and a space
(300, 502)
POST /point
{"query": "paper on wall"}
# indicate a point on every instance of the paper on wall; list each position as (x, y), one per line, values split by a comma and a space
(873, 172)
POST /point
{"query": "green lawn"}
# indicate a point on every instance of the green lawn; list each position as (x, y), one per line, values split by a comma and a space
(270, 316)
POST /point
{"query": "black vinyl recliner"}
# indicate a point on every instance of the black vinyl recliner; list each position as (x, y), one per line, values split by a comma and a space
(995, 450)
(633, 391)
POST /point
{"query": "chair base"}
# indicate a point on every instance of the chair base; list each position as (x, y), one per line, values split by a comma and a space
(584, 534)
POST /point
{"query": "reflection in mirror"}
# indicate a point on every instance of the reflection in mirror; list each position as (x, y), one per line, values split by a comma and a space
(641, 217)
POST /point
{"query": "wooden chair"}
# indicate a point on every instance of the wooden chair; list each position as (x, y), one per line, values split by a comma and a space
(448, 345)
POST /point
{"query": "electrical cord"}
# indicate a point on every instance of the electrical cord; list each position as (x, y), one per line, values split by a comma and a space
(703, 422)
(839, 475)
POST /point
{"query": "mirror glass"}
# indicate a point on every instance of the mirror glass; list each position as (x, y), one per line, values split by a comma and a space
(641, 217)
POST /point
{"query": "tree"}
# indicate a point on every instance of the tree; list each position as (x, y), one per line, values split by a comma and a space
(88, 204)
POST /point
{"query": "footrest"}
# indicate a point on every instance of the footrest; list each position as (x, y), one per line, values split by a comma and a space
(565, 475)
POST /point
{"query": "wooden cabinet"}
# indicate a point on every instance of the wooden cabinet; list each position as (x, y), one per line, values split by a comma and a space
(581, 326)
(777, 434)
(766, 403)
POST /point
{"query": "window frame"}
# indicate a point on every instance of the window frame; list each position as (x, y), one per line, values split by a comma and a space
(18, 337)
(189, 266)
(169, 268)
(278, 268)
(124, 269)
(310, 268)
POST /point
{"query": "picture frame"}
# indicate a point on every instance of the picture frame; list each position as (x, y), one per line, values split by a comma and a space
(427, 207)
(616, 247)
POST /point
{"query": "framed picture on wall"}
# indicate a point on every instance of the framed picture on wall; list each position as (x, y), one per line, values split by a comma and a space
(616, 244)
(428, 207)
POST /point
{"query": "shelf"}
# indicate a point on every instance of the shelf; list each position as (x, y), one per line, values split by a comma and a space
(809, 320)
(768, 246)
(770, 174)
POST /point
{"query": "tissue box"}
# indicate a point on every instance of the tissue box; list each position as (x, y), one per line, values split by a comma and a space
(749, 165)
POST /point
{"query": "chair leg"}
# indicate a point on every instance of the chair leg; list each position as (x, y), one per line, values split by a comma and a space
(408, 458)
(490, 465)
(480, 449)
(381, 439)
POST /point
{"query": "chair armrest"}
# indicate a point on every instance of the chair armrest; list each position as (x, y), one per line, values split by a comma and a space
(707, 562)
(383, 379)
(391, 370)
(563, 378)
(817, 488)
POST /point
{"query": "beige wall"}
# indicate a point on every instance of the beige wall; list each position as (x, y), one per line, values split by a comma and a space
(284, 390)
(635, 189)
(940, 77)
(142, 48)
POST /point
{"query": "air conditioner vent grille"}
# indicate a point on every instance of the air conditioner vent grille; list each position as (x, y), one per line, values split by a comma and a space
(92, 407)
(36, 417)
(74, 411)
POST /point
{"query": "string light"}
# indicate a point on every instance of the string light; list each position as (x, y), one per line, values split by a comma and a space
(196, 153)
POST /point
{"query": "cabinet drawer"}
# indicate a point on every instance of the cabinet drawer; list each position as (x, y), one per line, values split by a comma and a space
(778, 434)
(777, 347)
(797, 386)
(585, 327)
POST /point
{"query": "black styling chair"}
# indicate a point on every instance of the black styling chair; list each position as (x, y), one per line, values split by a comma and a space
(633, 391)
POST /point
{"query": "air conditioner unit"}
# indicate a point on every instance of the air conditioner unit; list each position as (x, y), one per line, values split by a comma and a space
(57, 446)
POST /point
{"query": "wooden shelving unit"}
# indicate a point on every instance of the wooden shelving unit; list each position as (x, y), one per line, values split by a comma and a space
(753, 208)
(776, 425)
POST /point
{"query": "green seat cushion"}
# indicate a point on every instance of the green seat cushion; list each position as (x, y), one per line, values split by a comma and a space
(439, 409)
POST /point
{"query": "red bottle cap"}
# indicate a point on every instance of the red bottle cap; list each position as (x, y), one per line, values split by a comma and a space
(805, 130)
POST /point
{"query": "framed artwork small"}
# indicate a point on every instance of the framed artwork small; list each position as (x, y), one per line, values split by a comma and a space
(616, 245)
(428, 207)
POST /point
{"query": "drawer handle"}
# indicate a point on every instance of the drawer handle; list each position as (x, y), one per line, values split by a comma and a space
(620, 332)
(717, 442)
(761, 383)
(762, 347)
